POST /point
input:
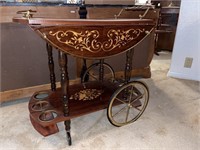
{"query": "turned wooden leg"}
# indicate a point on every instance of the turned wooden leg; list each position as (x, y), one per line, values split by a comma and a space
(64, 82)
(67, 129)
(51, 67)
(65, 91)
(128, 68)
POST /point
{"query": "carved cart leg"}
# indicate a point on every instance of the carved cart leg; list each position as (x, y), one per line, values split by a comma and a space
(65, 91)
(128, 68)
(67, 129)
(51, 67)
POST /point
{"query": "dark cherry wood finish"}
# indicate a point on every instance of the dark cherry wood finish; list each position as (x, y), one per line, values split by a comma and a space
(102, 38)
(76, 107)
(128, 68)
(45, 131)
(64, 82)
(51, 67)
(91, 39)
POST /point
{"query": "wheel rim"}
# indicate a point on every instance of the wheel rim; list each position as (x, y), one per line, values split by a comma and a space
(128, 103)
(93, 72)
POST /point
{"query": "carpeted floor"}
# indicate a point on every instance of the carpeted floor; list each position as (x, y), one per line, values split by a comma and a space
(170, 122)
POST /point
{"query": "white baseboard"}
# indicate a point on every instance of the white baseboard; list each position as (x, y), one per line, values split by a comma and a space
(183, 76)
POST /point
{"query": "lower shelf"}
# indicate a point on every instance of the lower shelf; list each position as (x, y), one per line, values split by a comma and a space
(46, 107)
(45, 131)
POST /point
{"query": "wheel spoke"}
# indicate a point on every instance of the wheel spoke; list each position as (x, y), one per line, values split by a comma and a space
(127, 114)
(119, 111)
(140, 96)
(131, 95)
(137, 108)
(120, 100)
(92, 76)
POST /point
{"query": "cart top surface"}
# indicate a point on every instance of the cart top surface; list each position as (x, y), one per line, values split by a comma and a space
(97, 22)
(91, 38)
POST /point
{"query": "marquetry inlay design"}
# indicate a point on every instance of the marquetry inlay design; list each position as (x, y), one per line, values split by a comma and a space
(93, 41)
(87, 94)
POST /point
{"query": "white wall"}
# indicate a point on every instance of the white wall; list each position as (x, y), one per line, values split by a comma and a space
(187, 42)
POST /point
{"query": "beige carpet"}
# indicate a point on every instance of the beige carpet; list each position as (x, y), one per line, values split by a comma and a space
(170, 122)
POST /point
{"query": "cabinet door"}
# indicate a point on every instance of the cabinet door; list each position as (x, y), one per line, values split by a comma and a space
(168, 22)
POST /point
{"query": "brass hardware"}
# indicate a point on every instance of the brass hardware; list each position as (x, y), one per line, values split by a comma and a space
(136, 7)
(147, 7)
(44, 35)
(116, 16)
(27, 13)
(147, 32)
(142, 16)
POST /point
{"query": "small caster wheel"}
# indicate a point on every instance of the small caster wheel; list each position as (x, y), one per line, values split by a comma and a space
(69, 140)
(128, 103)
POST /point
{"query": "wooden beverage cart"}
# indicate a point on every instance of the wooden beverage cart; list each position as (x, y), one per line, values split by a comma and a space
(89, 39)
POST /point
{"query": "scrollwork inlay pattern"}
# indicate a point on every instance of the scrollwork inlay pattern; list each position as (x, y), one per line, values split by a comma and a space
(90, 40)
(87, 94)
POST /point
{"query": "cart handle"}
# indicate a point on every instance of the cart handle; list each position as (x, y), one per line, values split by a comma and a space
(27, 13)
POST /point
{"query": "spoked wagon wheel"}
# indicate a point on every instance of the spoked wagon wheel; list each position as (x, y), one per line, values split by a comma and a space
(128, 103)
(93, 72)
